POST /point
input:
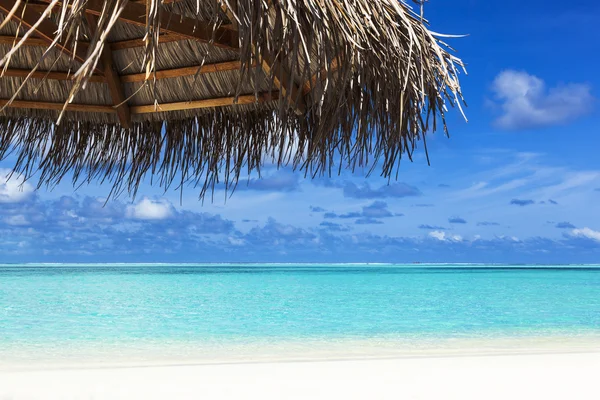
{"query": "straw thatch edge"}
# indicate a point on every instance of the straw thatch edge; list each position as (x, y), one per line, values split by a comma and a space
(393, 79)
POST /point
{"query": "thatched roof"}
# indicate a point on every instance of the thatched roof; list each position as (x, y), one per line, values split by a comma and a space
(201, 90)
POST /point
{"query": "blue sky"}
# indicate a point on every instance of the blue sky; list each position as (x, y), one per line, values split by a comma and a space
(518, 183)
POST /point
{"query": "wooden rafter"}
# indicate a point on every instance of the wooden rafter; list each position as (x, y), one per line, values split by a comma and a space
(308, 86)
(115, 86)
(208, 103)
(114, 46)
(232, 26)
(53, 75)
(289, 90)
(227, 11)
(185, 71)
(146, 109)
(140, 77)
(42, 105)
(164, 1)
(133, 43)
(30, 41)
(174, 24)
(279, 71)
(46, 29)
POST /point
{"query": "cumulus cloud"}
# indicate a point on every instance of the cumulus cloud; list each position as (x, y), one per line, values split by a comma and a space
(148, 209)
(443, 236)
(457, 220)
(65, 230)
(317, 209)
(565, 225)
(526, 102)
(586, 233)
(521, 202)
(69, 226)
(377, 209)
(13, 190)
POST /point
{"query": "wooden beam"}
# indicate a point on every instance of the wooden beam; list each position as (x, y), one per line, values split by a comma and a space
(115, 86)
(46, 29)
(276, 69)
(145, 109)
(114, 46)
(234, 24)
(164, 1)
(133, 43)
(309, 85)
(41, 105)
(186, 71)
(208, 103)
(279, 72)
(42, 6)
(174, 24)
(30, 41)
(52, 75)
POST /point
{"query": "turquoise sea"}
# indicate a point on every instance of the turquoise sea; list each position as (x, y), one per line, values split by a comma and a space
(62, 311)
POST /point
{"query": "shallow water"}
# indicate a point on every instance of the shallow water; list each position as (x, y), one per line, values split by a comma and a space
(54, 311)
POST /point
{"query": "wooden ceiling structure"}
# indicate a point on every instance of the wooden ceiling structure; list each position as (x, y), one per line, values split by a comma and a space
(173, 28)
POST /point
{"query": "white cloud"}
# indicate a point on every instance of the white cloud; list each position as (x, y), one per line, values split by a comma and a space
(586, 233)
(13, 190)
(148, 209)
(16, 220)
(527, 103)
(439, 235)
(442, 236)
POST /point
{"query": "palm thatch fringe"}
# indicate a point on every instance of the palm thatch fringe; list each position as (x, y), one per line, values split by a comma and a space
(373, 77)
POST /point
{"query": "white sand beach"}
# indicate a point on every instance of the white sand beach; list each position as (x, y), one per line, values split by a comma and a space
(546, 376)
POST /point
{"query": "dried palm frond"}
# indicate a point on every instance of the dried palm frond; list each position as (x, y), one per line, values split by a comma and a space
(354, 83)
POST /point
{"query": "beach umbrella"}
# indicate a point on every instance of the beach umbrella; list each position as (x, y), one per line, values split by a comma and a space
(201, 91)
